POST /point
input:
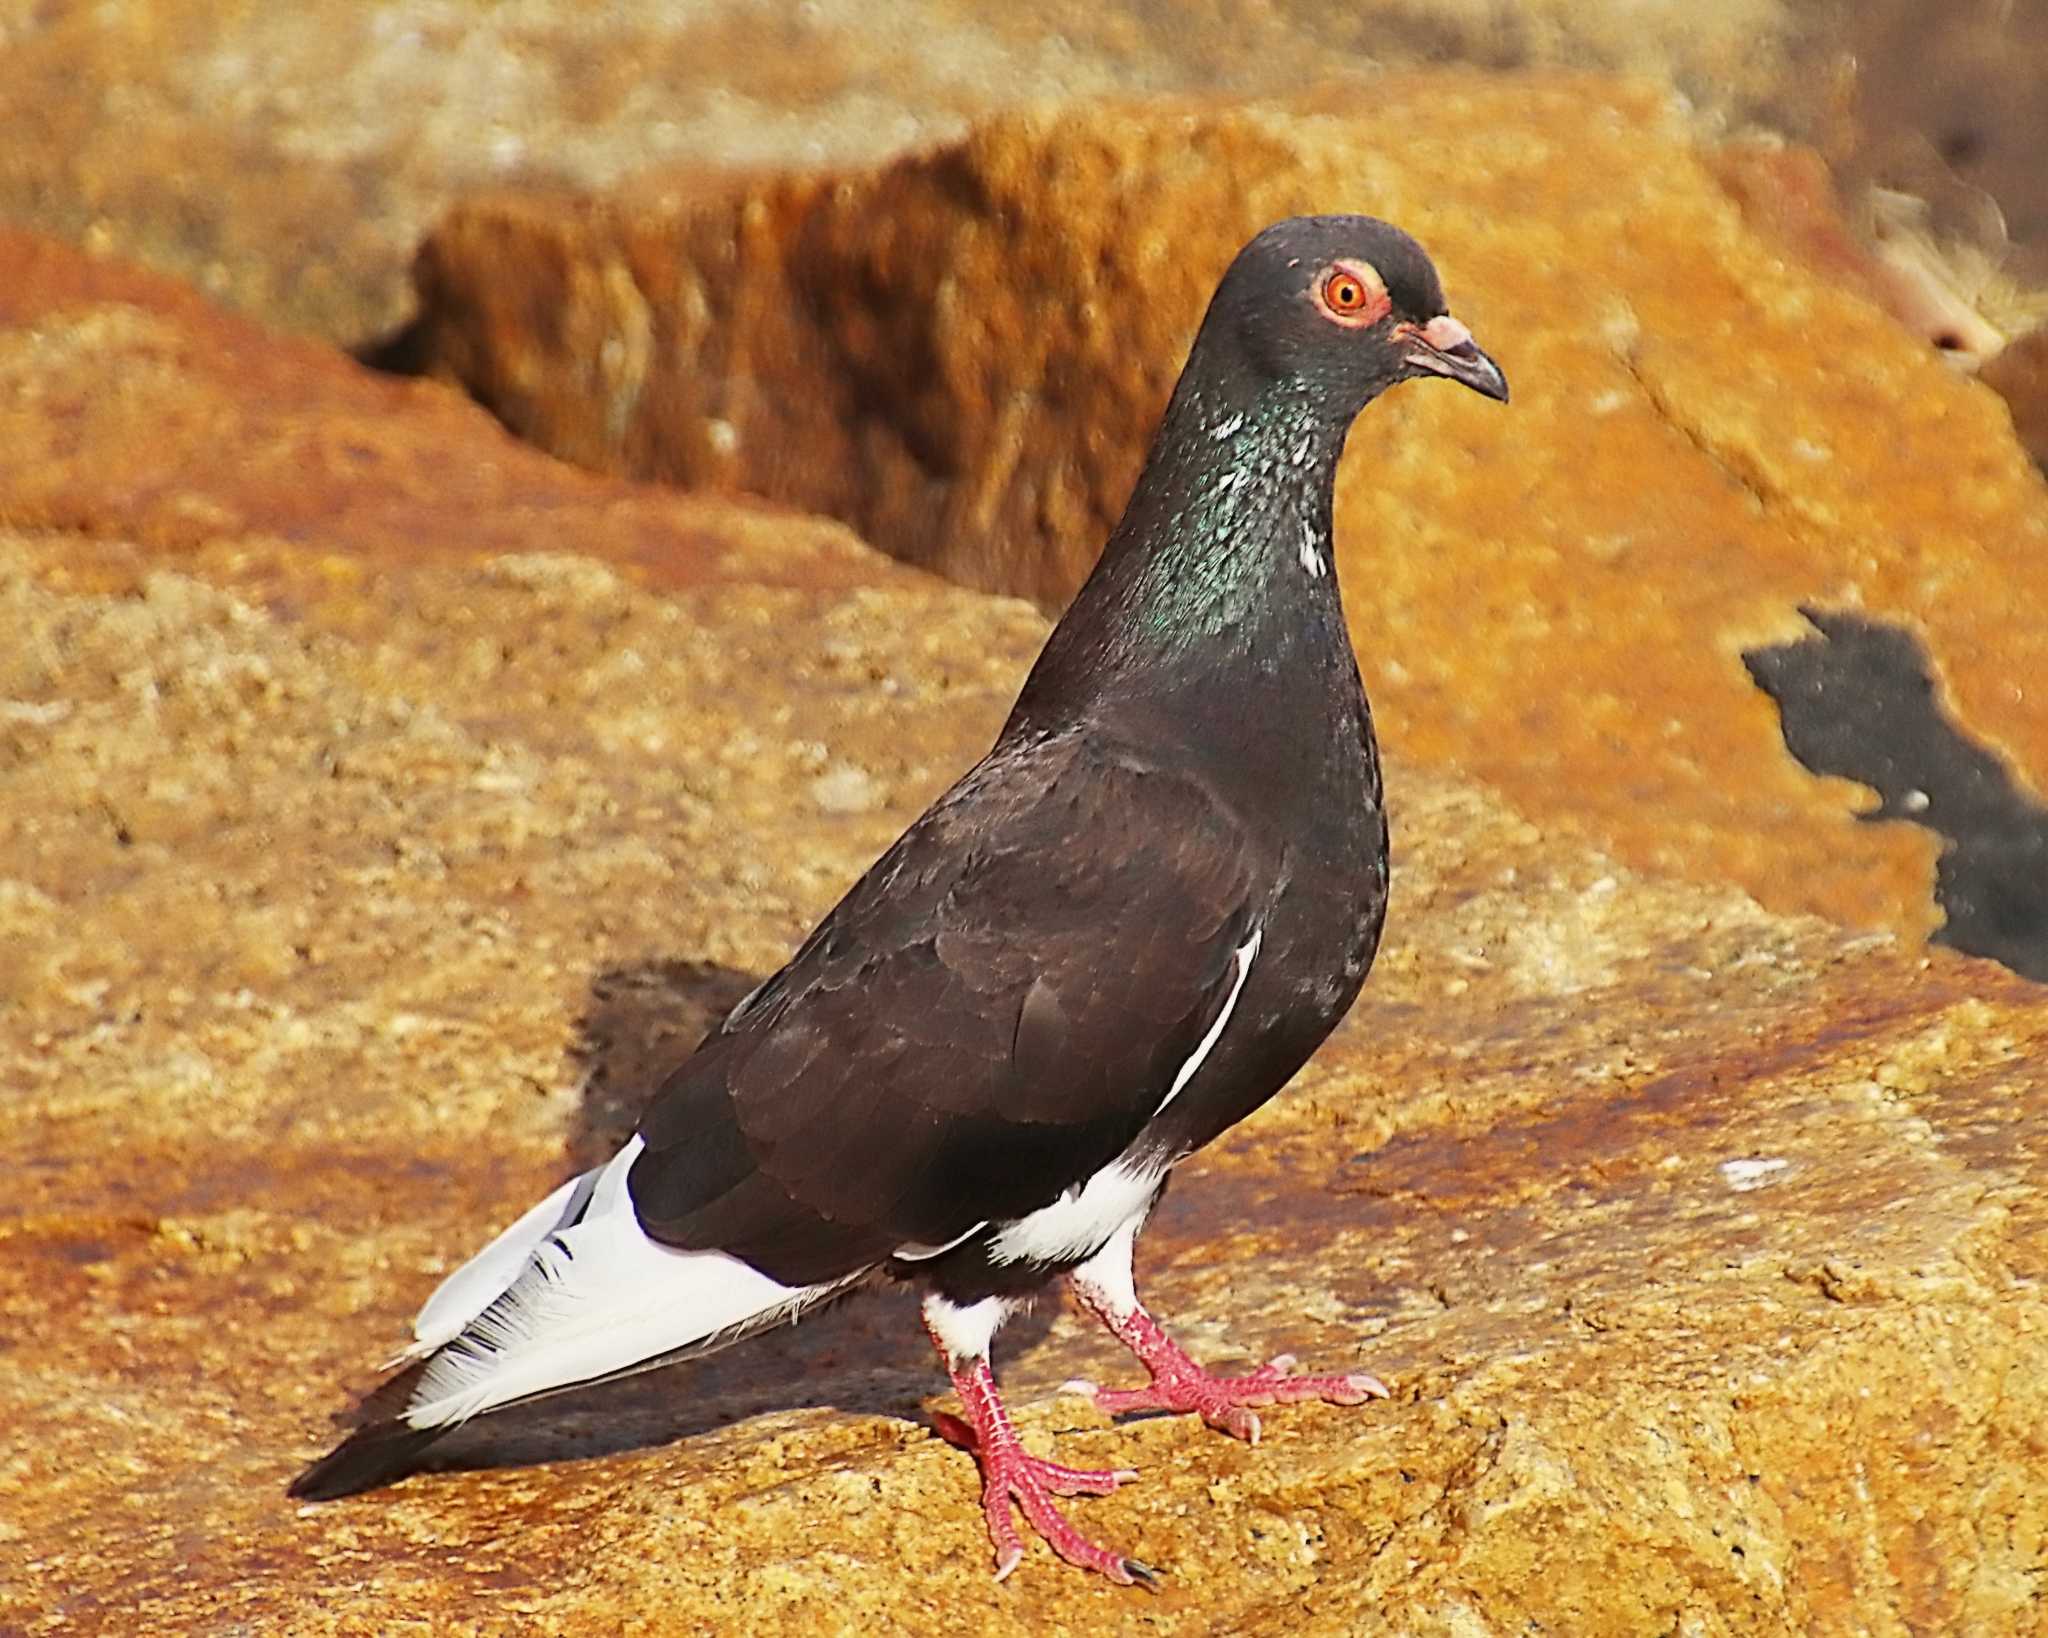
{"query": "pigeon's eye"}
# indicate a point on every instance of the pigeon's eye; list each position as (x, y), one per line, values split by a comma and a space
(1352, 293)
(1344, 293)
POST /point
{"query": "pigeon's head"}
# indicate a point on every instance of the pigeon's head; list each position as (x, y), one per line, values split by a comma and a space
(1346, 306)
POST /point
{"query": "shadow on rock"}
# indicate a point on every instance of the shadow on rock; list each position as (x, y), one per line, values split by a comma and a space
(865, 1355)
(643, 1020)
(1857, 701)
(403, 351)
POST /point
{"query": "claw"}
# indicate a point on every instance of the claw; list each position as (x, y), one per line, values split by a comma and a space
(1143, 1575)
(1224, 1402)
(1012, 1475)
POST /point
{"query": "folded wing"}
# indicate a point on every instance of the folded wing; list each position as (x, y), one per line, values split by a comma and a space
(988, 1017)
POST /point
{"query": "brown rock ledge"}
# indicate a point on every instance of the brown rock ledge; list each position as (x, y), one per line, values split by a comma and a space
(134, 413)
(351, 887)
(963, 353)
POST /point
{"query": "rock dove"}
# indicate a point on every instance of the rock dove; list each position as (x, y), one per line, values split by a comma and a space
(1118, 935)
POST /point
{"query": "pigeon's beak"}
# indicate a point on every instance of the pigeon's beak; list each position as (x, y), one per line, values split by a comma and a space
(1445, 347)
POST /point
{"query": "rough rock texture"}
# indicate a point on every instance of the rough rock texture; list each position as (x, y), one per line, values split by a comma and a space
(964, 354)
(287, 159)
(346, 902)
(2020, 376)
(1703, 1249)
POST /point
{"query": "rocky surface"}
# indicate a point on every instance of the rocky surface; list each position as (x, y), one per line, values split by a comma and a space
(2020, 376)
(125, 399)
(1858, 703)
(963, 354)
(348, 895)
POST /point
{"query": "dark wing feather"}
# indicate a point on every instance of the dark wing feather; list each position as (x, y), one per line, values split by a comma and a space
(990, 1015)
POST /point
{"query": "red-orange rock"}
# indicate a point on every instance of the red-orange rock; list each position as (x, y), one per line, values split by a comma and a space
(963, 353)
(330, 935)
(228, 430)
(287, 160)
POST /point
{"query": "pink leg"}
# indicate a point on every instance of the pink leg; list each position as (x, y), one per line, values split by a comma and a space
(1010, 1473)
(1179, 1384)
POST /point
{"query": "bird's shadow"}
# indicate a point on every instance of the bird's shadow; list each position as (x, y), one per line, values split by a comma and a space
(866, 1355)
(1858, 699)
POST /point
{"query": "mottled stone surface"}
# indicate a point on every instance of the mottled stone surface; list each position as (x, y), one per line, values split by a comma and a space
(348, 898)
(964, 354)
(1702, 1248)
(287, 159)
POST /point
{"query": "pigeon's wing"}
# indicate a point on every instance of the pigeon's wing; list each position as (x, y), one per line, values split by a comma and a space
(990, 1015)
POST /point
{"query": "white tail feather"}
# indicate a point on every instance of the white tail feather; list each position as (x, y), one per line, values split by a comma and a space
(584, 1301)
(482, 1280)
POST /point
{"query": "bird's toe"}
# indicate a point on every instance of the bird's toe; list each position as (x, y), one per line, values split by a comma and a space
(1139, 1573)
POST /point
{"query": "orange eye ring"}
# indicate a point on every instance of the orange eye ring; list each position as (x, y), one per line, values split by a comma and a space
(1352, 294)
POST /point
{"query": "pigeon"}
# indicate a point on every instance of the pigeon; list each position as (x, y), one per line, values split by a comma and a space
(1119, 934)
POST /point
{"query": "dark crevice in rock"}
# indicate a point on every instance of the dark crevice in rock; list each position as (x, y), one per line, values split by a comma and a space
(406, 350)
(1857, 700)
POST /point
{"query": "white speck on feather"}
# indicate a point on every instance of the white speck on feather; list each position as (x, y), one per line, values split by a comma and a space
(1744, 1175)
(1312, 555)
(1227, 427)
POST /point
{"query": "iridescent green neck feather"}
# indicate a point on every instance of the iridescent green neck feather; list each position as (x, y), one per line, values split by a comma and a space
(1223, 553)
(1209, 549)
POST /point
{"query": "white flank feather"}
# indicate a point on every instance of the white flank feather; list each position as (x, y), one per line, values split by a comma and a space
(585, 1301)
(1077, 1224)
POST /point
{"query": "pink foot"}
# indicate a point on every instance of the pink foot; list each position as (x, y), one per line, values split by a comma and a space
(1009, 1473)
(1179, 1384)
